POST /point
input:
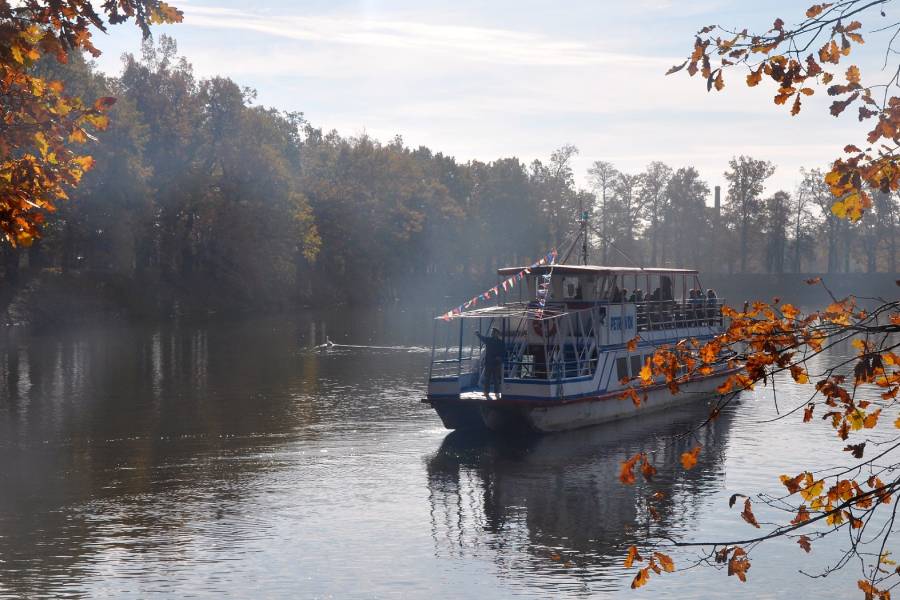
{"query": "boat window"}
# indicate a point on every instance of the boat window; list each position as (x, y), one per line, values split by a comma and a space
(622, 368)
(571, 288)
(636, 365)
(600, 287)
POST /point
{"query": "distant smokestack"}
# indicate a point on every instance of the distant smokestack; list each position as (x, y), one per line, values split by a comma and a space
(718, 202)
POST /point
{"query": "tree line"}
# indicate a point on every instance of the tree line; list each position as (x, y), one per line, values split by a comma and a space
(200, 196)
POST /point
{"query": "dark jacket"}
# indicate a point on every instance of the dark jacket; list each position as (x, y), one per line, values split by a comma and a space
(494, 348)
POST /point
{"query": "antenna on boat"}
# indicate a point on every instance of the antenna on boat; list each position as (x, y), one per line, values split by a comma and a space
(617, 249)
(584, 232)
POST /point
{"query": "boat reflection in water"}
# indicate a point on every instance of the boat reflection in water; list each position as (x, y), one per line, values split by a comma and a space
(553, 505)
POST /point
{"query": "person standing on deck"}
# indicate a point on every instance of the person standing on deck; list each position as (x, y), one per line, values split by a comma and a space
(494, 348)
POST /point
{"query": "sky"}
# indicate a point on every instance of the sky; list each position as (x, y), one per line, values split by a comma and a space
(487, 80)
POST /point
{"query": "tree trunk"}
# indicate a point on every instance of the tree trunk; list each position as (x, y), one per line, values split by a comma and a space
(10, 264)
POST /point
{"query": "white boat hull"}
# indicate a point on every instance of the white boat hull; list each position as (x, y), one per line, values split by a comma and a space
(471, 411)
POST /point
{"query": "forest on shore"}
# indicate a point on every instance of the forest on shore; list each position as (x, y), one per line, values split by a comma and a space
(202, 200)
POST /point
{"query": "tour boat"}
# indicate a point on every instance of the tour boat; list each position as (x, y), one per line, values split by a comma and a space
(567, 353)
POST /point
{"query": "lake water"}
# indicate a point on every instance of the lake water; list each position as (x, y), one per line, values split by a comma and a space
(227, 460)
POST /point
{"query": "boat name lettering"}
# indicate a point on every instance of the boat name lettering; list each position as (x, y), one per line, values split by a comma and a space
(615, 323)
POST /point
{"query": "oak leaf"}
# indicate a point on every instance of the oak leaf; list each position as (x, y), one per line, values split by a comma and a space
(647, 470)
(799, 374)
(816, 9)
(802, 515)
(689, 459)
(626, 470)
(808, 413)
(812, 490)
(747, 514)
(666, 561)
(792, 483)
(632, 344)
(856, 449)
(641, 579)
(738, 564)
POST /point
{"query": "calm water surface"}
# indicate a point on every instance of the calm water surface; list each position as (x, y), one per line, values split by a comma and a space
(226, 460)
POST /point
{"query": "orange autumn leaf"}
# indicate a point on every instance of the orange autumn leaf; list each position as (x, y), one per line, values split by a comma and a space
(747, 514)
(632, 556)
(802, 515)
(804, 543)
(871, 420)
(808, 413)
(641, 578)
(626, 469)
(792, 483)
(630, 393)
(689, 459)
(633, 343)
(816, 9)
(812, 490)
(799, 374)
(789, 311)
(666, 561)
(646, 373)
(739, 564)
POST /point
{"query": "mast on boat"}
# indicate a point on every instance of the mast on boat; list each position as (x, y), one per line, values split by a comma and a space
(584, 232)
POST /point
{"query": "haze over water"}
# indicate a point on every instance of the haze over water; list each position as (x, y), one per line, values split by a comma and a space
(227, 460)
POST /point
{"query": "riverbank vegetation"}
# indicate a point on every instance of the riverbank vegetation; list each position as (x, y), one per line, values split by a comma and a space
(200, 199)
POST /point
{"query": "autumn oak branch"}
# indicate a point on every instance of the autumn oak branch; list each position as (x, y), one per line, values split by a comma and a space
(766, 339)
(40, 123)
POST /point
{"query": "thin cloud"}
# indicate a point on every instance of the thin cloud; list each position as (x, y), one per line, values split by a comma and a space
(478, 44)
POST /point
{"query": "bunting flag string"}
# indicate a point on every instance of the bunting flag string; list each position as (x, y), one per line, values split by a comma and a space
(508, 284)
(544, 287)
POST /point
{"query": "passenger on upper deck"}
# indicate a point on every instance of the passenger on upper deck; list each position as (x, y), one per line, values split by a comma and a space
(712, 305)
(696, 302)
(494, 349)
(666, 292)
(615, 294)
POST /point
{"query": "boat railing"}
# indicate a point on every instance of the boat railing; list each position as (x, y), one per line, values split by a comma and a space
(562, 347)
(654, 315)
(568, 345)
(451, 367)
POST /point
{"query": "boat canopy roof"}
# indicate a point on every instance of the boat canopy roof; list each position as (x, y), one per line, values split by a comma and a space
(513, 309)
(596, 269)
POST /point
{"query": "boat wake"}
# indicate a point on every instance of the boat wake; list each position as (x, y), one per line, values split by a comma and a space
(330, 346)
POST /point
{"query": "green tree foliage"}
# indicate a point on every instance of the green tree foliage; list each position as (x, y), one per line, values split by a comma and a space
(195, 190)
(746, 178)
(686, 214)
(776, 214)
(201, 198)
